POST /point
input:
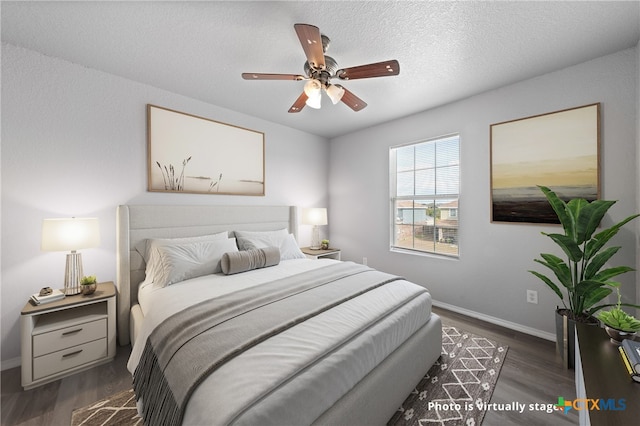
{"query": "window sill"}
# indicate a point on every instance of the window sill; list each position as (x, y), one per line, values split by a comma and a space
(424, 253)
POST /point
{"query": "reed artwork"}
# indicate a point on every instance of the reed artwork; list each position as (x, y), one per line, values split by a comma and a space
(176, 183)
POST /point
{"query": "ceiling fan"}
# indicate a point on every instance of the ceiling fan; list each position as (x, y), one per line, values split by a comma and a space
(320, 69)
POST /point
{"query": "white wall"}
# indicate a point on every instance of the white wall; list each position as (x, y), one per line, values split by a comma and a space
(74, 144)
(491, 275)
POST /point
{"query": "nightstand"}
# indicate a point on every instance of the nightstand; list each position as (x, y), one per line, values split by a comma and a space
(67, 336)
(331, 253)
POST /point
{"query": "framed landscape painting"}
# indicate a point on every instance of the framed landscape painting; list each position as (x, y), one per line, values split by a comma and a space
(191, 154)
(559, 150)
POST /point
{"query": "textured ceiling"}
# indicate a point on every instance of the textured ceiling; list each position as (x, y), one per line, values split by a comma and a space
(447, 50)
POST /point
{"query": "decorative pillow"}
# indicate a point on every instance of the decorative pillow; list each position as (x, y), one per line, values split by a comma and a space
(179, 262)
(286, 242)
(246, 260)
(259, 239)
(144, 247)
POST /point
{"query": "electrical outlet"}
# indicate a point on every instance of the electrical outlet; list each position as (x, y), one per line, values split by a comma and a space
(532, 296)
(364, 260)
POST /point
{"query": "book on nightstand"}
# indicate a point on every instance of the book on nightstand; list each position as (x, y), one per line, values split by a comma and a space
(37, 299)
(634, 376)
(632, 351)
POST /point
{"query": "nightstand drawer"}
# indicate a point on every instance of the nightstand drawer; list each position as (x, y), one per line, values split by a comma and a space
(69, 358)
(63, 338)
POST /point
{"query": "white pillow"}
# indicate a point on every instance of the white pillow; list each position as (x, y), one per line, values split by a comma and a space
(178, 262)
(144, 247)
(260, 239)
(286, 242)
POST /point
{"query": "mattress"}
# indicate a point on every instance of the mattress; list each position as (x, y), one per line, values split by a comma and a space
(297, 375)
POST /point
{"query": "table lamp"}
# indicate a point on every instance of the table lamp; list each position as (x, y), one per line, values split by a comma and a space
(71, 234)
(316, 217)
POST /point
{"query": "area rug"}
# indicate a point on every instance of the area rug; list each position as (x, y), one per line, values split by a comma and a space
(119, 409)
(454, 392)
(458, 387)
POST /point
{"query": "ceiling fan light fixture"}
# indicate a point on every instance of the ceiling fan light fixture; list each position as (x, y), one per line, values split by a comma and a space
(312, 88)
(314, 101)
(335, 93)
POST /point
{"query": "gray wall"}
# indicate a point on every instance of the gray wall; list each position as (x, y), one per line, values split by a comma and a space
(74, 144)
(490, 278)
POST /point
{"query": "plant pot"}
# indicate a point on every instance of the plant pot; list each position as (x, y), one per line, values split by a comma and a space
(617, 336)
(566, 336)
(88, 289)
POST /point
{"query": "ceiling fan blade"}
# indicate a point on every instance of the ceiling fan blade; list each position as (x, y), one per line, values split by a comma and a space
(379, 69)
(311, 41)
(261, 76)
(351, 100)
(299, 103)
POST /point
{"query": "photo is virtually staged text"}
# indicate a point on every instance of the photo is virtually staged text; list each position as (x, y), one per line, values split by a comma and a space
(491, 406)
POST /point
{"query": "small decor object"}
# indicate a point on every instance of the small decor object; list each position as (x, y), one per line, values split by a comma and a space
(582, 274)
(71, 235)
(197, 155)
(46, 295)
(316, 217)
(618, 324)
(558, 149)
(324, 245)
(89, 284)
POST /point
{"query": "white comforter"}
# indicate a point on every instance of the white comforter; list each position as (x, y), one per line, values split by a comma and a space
(294, 377)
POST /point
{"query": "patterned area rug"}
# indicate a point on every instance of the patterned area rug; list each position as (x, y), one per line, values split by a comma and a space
(119, 409)
(454, 391)
(457, 388)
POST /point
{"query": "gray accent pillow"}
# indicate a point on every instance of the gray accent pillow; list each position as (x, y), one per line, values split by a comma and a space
(247, 260)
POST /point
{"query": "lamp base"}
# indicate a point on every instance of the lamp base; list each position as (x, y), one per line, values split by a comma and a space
(73, 273)
(315, 238)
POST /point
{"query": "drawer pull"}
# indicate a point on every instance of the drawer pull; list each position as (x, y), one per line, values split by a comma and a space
(77, 330)
(72, 353)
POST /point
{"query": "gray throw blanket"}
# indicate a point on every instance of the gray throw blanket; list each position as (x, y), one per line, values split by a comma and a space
(246, 260)
(183, 350)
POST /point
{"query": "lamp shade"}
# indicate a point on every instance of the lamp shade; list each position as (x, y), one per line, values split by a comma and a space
(314, 216)
(335, 93)
(313, 90)
(68, 234)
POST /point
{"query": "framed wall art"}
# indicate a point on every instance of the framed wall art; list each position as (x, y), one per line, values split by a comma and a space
(191, 154)
(558, 149)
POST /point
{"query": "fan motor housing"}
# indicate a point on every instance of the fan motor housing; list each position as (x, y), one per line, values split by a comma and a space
(330, 68)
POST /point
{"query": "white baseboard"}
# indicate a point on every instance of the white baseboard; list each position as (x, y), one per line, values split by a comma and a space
(493, 320)
(11, 363)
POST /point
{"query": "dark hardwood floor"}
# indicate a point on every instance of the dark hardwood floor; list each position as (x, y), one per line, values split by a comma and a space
(532, 374)
(52, 404)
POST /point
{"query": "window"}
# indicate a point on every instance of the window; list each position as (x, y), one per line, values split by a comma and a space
(425, 186)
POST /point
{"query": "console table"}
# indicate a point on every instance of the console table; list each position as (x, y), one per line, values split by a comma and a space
(600, 374)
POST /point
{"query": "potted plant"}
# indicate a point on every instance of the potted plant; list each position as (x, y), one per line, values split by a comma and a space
(583, 276)
(324, 244)
(88, 284)
(619, 324)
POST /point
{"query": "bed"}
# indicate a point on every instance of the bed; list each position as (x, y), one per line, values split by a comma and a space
(350, 362)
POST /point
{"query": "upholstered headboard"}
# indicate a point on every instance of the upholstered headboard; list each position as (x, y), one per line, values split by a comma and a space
(136, 223)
